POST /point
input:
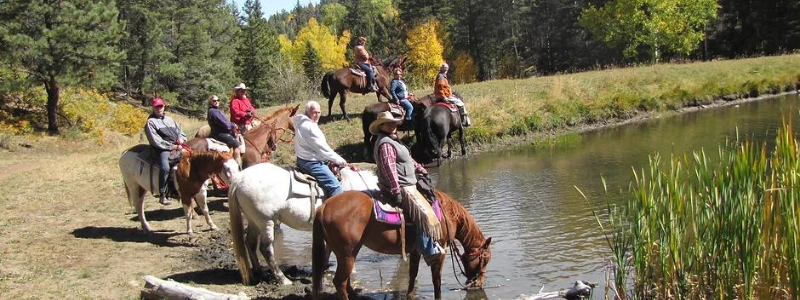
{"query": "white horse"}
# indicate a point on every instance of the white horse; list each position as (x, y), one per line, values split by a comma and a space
(267, 194)
(140, 178)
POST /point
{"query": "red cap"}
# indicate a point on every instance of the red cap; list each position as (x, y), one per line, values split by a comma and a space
(158, 102)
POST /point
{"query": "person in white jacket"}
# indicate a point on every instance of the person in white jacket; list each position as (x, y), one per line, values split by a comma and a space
(313, 152)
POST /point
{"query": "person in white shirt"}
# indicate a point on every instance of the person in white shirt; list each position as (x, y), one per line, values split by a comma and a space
(313, 152)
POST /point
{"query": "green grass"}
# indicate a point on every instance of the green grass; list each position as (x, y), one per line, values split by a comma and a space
(696, 227)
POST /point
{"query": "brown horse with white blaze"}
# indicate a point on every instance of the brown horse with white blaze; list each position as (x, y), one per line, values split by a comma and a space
(346, 222)
(341, 81)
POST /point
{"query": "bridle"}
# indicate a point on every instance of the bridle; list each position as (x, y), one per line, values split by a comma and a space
(266, 153)
(477, 253)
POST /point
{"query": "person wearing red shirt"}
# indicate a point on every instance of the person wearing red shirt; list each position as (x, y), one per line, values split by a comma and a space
(242, 111)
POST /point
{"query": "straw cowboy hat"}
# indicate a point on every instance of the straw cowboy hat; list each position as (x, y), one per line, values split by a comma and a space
(383, 117)
(240, 86)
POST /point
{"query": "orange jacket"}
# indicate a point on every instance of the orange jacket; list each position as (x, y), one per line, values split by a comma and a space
(441, 87)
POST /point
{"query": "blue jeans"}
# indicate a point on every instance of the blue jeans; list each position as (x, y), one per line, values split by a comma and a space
(163, 170)
(425, 244)
(323, 174)
(367, 69)
(408, 107)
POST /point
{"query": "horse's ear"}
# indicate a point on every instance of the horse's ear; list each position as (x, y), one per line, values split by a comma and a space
(486, 243)
(294, 111)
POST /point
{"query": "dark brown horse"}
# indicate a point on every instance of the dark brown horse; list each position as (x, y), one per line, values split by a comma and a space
(438, 124)
(341, 81)
(346, 223)
(371, 112)
(262, 139)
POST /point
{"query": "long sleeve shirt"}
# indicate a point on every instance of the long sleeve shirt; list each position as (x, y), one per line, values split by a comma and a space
(162, 132)
(310, 143)
(218, 122)
(441, 87)
(239, 107)
(360, 54)
(388, 165)
(399, 90)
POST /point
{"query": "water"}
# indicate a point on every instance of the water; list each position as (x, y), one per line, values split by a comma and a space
(544, 233)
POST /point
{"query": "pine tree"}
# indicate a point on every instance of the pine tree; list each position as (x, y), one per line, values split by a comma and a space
(256, 46)
(312, 65)
(69, 41)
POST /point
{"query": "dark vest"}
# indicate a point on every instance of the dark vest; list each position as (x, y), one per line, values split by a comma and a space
(404, 163)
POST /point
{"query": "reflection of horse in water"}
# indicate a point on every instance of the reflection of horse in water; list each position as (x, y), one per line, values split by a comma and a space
(141, 177)
(371, 112)
(346, 222)
(341, 81)
(267, 194)
(262, 139)
(440, 121)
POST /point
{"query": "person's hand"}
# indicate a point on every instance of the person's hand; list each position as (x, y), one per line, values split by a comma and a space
(249, 113)
(398, 199)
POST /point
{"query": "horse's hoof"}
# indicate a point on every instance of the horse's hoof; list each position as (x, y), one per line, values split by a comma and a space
(286, 281)
(190, 232)
(214, 228)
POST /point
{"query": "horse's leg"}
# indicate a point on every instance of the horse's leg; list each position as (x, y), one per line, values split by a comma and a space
(341, 280)
(461, 140)
(251, 244)
(187, 212)
(330, 103)
(138, 193)
(449, 145)
(342, 100)
(200, 199)
(268, 237)
(413, 270)
(436, 276)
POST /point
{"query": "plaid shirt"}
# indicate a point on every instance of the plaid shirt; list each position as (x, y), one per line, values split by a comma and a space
(388, 166)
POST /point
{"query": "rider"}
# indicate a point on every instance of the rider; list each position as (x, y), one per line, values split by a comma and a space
(397, 172)
(313, 152)
(441, 88)
(222, 129)
(400, 95)
(242, 111)
(164, 136)
(362, 61)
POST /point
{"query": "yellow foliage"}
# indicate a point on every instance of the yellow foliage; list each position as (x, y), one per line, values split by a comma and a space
(425, 52)
(330, 49)
(464, 69)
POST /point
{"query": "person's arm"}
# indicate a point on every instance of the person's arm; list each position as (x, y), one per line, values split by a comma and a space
(419, 168)
(317, 140)
(238, 111)
(154, 139)
(388, 167)
(395, 98)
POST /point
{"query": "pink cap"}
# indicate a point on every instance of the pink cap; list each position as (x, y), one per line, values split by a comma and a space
(158, 102)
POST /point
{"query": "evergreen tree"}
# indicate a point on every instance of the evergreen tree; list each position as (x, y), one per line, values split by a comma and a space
(257, 44)
(61, 42)
(312, 65)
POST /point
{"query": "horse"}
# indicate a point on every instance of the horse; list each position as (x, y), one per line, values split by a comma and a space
(262, 139)
(191, 175)
(341, 81)
(267, 194)
(346, 222)
(438, 124)
(141, 177)
(371, 112)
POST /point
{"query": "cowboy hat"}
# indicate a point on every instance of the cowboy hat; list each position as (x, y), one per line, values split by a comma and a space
(240, 86)
(383, 117)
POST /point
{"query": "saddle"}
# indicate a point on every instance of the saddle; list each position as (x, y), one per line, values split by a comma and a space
(451, 106)
(302, 185)
(215, 145)
(362, 82)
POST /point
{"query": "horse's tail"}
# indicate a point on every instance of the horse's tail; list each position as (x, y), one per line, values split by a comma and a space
(319, 263)
(237, 236)
(326, 88)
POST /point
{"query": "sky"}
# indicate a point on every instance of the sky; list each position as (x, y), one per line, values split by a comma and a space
(272, 7)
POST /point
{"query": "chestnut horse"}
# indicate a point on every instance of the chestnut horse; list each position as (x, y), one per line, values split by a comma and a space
(341, 81)
(140, 176)
(191, 174)
(346, 222)
(262, 139)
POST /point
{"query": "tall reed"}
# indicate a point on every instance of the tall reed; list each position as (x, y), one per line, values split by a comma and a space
(711, 228)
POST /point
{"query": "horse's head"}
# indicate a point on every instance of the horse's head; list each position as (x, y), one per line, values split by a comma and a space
(475, 261)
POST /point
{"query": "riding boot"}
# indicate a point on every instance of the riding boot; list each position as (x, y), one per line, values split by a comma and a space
(162, 198)
(465, 120)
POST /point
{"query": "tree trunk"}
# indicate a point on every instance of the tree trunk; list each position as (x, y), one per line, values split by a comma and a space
(171, 290)
(52, 105)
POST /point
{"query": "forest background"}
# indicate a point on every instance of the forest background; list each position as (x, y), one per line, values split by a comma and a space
(184, 51)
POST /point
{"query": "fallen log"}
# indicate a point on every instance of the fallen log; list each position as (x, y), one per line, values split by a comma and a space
(156, 288)
(579, 290)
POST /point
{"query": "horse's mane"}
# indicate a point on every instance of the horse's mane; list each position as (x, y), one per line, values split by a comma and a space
(278, 113)
(467, 230)
(197, 158)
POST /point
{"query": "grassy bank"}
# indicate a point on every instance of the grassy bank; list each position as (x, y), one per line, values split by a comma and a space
(708, 227)
(508, 109)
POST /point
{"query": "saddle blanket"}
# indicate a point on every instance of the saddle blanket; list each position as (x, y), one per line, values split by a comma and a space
(449, 105)
(214, 145)
(358, 72)
(388, 214)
